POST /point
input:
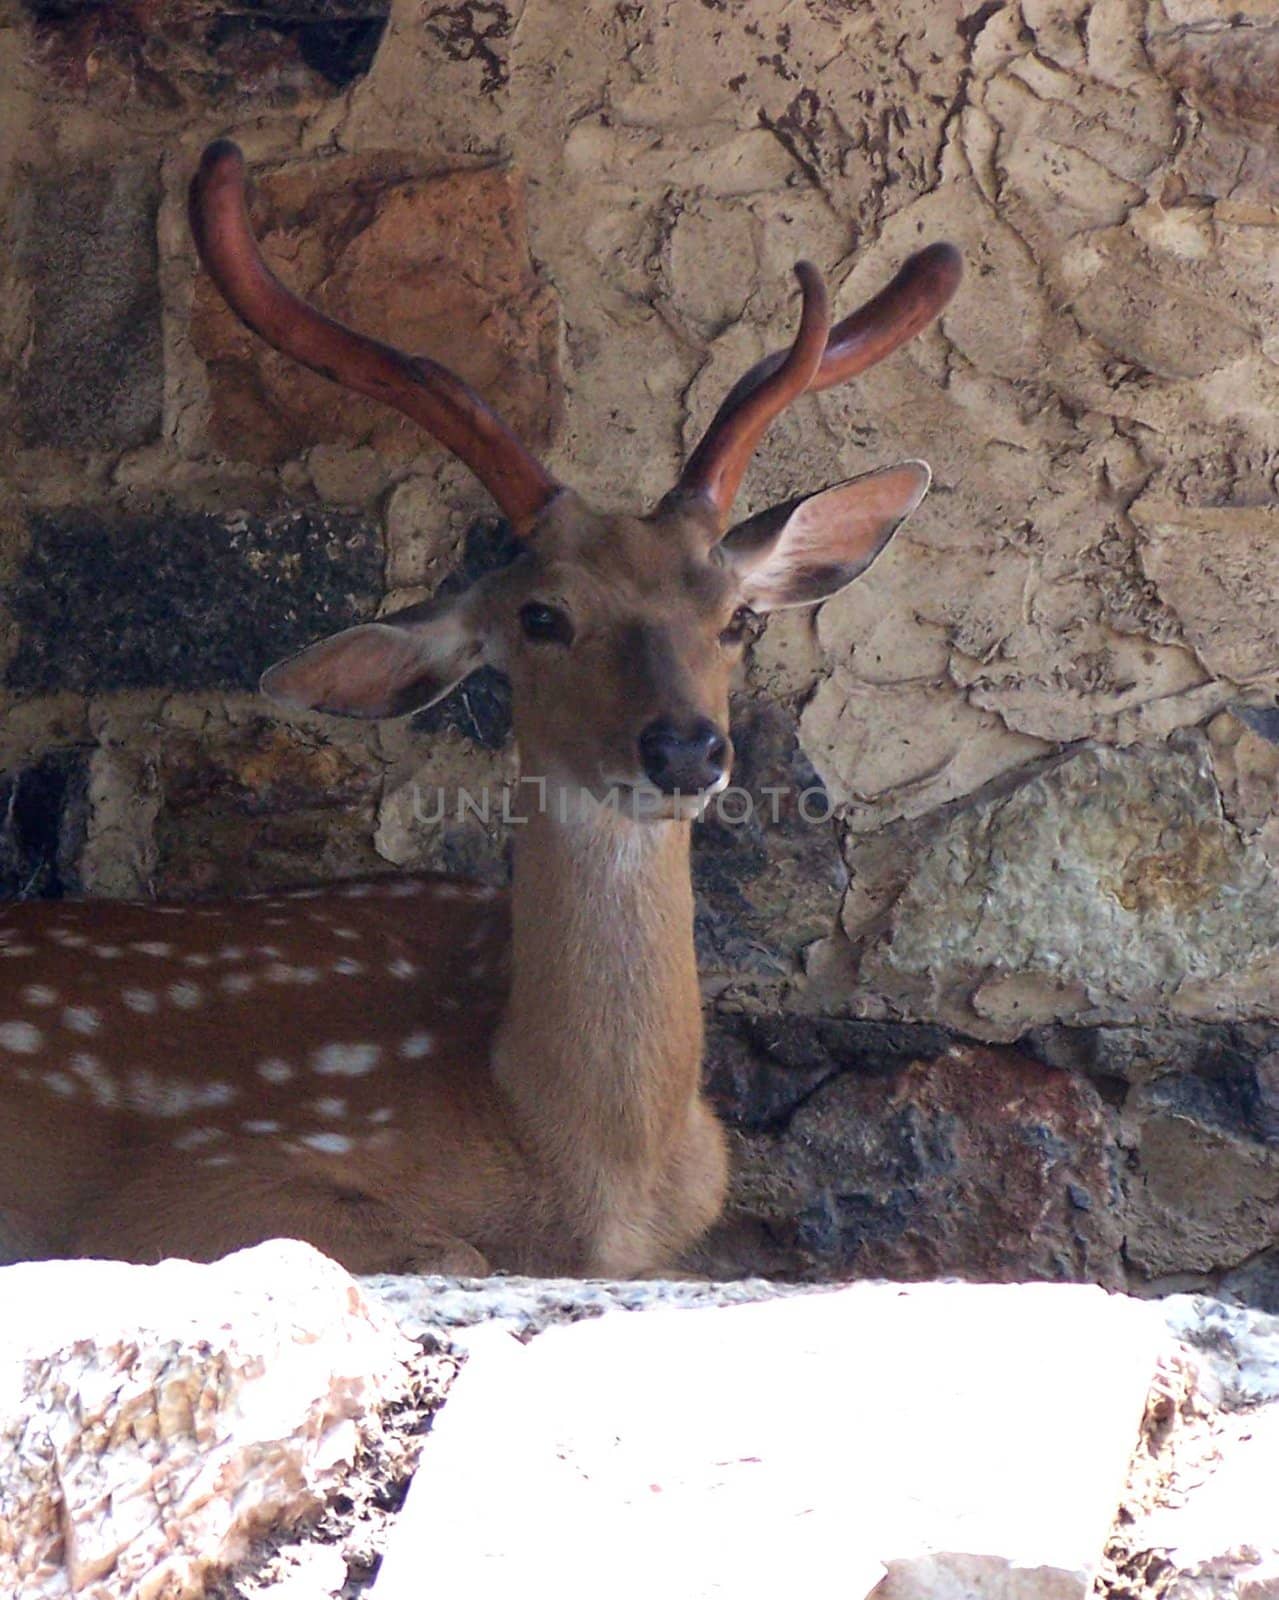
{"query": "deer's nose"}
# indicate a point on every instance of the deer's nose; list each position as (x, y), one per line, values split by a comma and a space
(683, 760)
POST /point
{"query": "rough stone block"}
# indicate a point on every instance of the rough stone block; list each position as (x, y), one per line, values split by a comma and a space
(887, 1440)
(265, 803)
(1217, 569)
(183, 601)
(155, 1420)
(935, 1170)
(1204, 1192)
(436, 265)
(94, 374)
(1100, 887)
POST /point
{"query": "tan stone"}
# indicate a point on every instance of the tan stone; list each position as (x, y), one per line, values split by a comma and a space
(1217, 568)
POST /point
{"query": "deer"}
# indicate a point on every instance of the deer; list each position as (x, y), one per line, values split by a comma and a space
(416, 1073)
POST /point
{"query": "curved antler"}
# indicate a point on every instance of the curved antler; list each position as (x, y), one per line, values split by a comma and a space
(430, 394)
(897, 313)
(716, 467)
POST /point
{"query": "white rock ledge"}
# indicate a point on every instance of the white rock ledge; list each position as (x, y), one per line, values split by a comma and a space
(946, 1440)
(154, 1420)
(906, 1442)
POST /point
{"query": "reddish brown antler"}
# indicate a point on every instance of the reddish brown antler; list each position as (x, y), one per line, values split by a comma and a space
(430, 394)
(897, 313)
(716, 468)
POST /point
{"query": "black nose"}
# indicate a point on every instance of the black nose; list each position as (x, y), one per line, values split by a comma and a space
(683, 760)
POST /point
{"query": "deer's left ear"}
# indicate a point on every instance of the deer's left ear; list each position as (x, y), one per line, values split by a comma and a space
(801, 552)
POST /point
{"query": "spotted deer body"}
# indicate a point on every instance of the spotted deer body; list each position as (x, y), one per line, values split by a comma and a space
(419, 1073)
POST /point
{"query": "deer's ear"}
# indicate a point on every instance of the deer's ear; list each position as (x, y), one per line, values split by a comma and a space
(803, 551)
(399, 664)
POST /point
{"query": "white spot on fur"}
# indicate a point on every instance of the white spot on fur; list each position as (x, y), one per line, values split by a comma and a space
(102, 1087)
(39, 994)
(400, 968)
(237, 982)
(160, 1098)
(281, 972)
(347, 967)
(405, 889)
(273, 1070)
(196, 1138)
(417, 1046)
(217, 1161)
(261, 1125)
(329, 1105)
(152, 947)
(14, 950)
(23, 1038)
(186, 996)
(81, 1019)
(329, 1144)
(197, 960)
(108, 952)
(70, 941)
(58, 1083)
(232, 952)
(382, 1115)
(357, 891)
(345, 1060)
(345, 933)
(140, 1000)
(269, 952)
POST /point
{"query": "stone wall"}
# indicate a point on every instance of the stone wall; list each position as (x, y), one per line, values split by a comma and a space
(1013, 1010)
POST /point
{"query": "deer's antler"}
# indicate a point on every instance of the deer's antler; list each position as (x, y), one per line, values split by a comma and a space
(430, 394)
(897, 313)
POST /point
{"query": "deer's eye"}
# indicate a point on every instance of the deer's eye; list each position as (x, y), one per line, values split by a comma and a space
(739, 627)
(545, 624)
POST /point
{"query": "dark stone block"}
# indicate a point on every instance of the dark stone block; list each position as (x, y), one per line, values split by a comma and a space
(977, 1164)
(1234, 1101)
(1221, 1075)
(1256, 1283)
(170, 54)
(1261, 719)
(768, 871)
(337, 41)
(479, 708)
(761, 1069)
(86, 241)
(43, 814)
(184, 601)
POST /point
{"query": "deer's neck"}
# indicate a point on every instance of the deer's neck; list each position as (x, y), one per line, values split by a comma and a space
(600, 1046)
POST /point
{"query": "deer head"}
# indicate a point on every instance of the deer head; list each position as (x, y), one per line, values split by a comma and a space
(618, 631)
